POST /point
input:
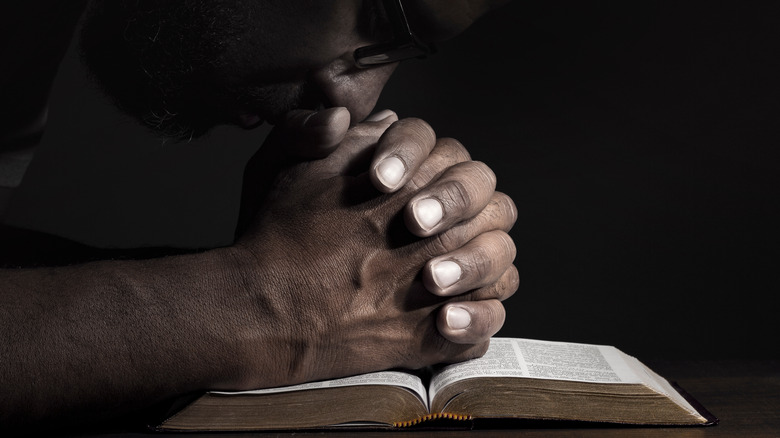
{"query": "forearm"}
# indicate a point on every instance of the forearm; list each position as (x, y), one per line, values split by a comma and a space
(110, 337)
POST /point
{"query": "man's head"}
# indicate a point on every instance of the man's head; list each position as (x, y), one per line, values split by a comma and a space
(184, 66)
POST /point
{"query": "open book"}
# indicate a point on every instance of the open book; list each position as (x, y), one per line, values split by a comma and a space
(516, 379)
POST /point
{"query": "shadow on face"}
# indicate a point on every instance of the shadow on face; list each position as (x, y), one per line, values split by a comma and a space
(184, 66)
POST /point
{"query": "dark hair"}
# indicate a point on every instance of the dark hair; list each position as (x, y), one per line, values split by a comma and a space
(156, 60)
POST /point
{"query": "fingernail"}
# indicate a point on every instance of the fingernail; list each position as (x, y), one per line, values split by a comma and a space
(458, 318)
(390, 171)
(446, 273)
(381, 115)
(428, 213)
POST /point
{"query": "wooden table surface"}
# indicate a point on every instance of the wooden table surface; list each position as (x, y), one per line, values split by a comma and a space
(743, 394)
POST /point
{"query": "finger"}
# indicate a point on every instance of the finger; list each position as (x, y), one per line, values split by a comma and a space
(479, 263)
(382, 116)
(459, 352)
(310, 134)
(499, 214)
(459, 194)
(353, 156)
(447, 153)
(505, 287)
(401, 151)
(470, 322)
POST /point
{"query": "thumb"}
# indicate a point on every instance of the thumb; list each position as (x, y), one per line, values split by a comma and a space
(311, 134)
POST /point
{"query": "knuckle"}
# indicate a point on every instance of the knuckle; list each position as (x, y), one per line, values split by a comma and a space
(470, 183)
(455, 195)
(505, 208)
(480, 262)
(453, 149)
(502, 289)
(488, 253)
(513, 283)
(419, 181)
(498, 244)
(446, 157)
(442, 243)
(494, 291)
(409, 150)
(484, 172)
(494, 318)
(419, 130)
(508, 244)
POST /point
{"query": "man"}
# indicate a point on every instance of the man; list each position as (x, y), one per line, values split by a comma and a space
(323, 280)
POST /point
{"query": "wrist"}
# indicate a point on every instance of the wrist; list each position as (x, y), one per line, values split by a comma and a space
(278, 331)
(247, 319)
(215, 301)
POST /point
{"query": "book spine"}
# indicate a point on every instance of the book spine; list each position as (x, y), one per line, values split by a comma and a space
(430, 417)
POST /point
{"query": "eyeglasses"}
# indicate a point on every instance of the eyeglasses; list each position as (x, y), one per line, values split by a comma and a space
(405, 44)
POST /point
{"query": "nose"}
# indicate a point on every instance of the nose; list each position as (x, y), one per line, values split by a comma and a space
(343, 84)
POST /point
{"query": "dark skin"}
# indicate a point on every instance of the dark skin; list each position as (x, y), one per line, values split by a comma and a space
(338, 259)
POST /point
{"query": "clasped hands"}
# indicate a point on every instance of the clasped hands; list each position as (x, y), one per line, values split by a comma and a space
(374, 247)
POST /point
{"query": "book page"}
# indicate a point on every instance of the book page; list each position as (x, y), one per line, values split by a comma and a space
(515, 357)
(388, 378)
(662, 386)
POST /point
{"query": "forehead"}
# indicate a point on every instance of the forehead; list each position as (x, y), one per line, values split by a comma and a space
(285, 19)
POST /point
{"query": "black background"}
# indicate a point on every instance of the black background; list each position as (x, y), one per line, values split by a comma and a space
(638, 140)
